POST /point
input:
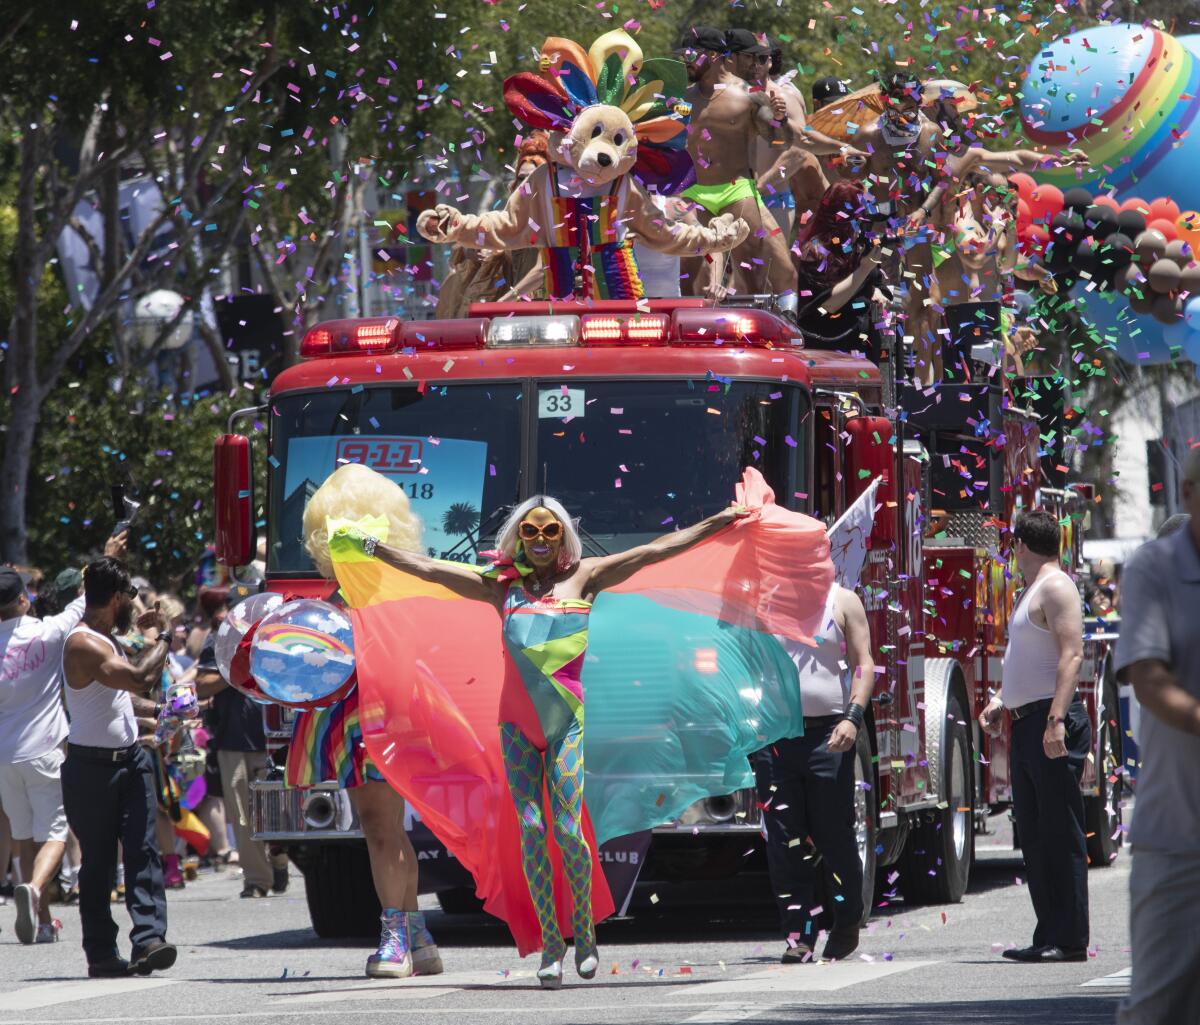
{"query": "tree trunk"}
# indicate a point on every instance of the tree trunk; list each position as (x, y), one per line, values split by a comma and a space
(14, 475)
(25, 394)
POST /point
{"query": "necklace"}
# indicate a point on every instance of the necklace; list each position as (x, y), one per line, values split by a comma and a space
(538, 585)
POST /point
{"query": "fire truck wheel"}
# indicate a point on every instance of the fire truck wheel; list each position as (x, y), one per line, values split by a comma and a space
(936, 864)
(866, 818)
(1102, 812)
(460, 901)
(340, 894)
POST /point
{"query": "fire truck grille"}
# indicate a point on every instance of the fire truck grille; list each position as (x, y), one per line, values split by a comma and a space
(974, 529)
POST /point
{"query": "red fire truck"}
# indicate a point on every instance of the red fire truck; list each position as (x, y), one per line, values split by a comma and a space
(640, 415)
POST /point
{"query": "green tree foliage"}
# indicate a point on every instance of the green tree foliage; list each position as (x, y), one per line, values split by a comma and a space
(159, 449)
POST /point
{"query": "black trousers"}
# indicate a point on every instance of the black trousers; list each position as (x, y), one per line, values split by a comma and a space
(808, 793)
(1048, 808)
(105, 802)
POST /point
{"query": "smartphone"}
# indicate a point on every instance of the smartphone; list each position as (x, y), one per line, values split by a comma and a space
(124, 508)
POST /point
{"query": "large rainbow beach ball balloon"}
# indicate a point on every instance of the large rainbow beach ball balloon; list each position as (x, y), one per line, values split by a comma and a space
(1128, 96)
(302, 654)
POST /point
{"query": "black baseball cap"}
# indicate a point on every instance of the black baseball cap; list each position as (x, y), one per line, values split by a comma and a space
(12, 585)
(826, 90)
(742, 40)
(702, 37)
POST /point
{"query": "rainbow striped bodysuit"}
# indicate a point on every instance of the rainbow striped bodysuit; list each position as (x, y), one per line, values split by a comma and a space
(583, 236)
(541, 738)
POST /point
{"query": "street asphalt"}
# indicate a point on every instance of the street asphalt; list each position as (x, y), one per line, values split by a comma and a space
(679, 959)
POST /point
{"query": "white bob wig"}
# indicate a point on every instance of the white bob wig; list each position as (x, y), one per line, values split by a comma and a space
(507, 539)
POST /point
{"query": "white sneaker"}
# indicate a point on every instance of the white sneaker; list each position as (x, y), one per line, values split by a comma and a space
(49, 932)
(26, 898)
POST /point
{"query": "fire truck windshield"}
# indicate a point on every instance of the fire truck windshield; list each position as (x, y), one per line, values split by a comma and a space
(631, 458)
(636, 459)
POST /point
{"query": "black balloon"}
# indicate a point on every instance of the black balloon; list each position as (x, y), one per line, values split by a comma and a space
(1114, 256)
(1077, 199)
(1131, 223)
(1100, 221)
(1085, 260)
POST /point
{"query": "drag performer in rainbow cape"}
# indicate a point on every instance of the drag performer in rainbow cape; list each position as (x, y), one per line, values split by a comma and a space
(618, 127)
(472, 683)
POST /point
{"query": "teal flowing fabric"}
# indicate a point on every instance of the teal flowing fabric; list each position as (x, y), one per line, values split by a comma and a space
(676, 703)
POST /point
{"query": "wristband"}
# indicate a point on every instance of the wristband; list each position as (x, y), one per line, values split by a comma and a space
(369, 546)
(1052, 719)
(854, 714)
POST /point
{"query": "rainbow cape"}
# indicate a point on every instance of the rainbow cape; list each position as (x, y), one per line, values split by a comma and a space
(685, 676)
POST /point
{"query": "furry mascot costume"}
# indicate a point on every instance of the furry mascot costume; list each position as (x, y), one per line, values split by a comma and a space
(617, 127)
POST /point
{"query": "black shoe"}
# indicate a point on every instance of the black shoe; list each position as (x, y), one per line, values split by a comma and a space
(1055, 955)
(801, 953)
(1023, 954)
(250, 890)
(279, 879)
(842, 942)
(110, 968)
(157, 957)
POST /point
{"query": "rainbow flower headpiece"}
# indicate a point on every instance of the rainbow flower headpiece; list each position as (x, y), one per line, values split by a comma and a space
(612, 72)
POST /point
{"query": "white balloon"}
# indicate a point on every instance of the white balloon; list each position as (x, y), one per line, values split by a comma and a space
(238, 620)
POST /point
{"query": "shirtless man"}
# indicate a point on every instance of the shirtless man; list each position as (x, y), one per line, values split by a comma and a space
(790, 181)
(725, 116)
(908, 173)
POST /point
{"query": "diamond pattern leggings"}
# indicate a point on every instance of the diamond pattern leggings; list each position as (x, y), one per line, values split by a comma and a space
(560, 768)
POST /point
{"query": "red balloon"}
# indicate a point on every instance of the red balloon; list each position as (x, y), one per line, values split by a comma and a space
(1164, 208)
(1044, 202)
(1035, 240)
(1168, 228)
(1024, 216)
(1023, 184)
(1107, 201)
(1134, 203)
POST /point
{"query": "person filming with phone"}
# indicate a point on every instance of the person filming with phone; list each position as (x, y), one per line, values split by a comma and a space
(837, 273)
(108, 777)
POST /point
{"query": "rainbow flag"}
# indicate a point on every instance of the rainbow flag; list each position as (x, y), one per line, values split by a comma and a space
(684, 676)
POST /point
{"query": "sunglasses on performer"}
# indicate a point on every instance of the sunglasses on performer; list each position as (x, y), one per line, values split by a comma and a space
(550, 531)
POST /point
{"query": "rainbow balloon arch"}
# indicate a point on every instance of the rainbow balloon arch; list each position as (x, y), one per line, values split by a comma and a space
(1128, 226)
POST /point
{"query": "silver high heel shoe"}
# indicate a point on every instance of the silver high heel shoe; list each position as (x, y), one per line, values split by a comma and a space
(550, 975)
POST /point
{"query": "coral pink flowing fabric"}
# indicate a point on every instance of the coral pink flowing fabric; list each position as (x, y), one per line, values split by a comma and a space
(431, 665)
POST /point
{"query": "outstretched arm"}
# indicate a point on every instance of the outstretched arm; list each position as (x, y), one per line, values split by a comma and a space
(616, 569)
(677, 238)
(464, 582)
(510, 228)
(1010, 161)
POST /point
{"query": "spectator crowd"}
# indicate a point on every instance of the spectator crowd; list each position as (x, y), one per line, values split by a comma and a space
(62, 715)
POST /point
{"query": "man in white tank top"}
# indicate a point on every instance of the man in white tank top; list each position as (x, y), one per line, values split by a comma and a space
(1051, 738)
(806, 784)
(108, 778)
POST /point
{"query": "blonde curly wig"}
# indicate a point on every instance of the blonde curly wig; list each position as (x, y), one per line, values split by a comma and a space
(351, 492)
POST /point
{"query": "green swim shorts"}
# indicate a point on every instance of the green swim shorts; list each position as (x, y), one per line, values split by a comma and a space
(715, 198)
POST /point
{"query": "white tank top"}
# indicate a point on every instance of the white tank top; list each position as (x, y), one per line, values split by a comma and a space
(100, 716)
(824, 684)
(1030, 657)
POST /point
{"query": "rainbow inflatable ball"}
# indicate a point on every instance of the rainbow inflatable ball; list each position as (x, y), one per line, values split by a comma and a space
(1128, 96)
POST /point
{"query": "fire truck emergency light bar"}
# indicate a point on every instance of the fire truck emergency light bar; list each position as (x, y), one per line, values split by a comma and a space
(682, 326)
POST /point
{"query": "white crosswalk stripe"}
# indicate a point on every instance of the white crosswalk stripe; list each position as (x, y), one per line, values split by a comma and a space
(813, 978)
(423, 987)
(31, 998)
(1117, 980)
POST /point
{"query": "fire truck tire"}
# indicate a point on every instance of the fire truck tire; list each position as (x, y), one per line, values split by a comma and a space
(460, 901)
(936, 865)
(340, 894)
(866, 818)
(1102, 812)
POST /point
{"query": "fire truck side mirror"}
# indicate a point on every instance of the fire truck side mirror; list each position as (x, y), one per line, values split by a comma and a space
(871, 453)
(233, 500)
